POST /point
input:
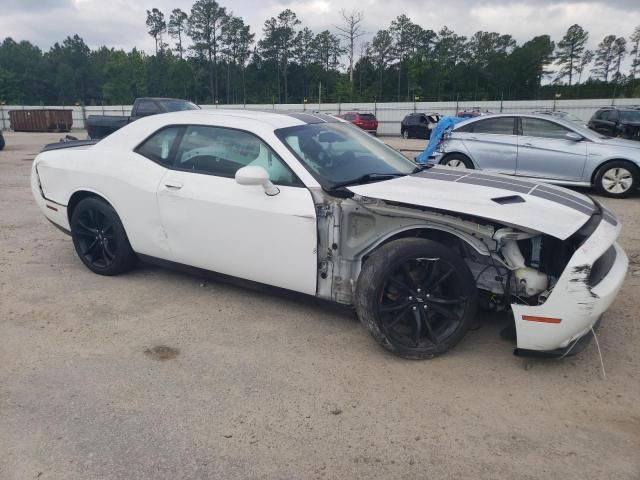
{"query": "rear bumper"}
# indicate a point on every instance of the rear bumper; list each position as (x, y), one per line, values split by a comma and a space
(55, 212)
(574, 306)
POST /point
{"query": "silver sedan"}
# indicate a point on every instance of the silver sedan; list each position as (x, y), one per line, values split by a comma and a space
(545, 148)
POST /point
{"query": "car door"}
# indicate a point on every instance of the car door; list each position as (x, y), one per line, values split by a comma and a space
(602, 123)
(491, 142)
(412, 126)
(212, 222)
(611, 123)
(544, 151)
(422, 127)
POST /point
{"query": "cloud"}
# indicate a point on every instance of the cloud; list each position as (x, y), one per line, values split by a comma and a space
(121, 23)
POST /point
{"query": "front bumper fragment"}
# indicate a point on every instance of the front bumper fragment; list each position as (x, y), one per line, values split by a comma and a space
(576, 304)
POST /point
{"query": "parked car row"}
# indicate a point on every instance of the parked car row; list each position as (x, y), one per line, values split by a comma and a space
(545, 148)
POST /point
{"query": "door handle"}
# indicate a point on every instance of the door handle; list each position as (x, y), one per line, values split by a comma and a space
(172, 185)
(527, 144)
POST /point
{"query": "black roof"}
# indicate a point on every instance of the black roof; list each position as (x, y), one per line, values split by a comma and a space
(620, 107)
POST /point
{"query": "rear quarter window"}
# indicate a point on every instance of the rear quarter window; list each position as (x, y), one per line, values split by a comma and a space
(495, 126)
(159, 146)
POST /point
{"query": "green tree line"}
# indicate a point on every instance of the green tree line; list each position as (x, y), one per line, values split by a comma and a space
(209, 55)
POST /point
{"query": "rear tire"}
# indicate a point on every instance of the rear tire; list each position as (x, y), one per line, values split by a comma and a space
(99, 238)
(416, 297)
(457, 160)
(617, 179)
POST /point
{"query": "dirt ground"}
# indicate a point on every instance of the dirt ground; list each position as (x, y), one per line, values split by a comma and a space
(159, 374)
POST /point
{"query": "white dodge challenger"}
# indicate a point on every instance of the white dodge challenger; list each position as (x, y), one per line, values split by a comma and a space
(312, 204)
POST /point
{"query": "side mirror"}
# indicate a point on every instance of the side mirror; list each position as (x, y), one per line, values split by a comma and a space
(574, 137)
(256, 175)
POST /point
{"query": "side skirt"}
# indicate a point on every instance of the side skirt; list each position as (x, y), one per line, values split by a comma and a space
(236, 281)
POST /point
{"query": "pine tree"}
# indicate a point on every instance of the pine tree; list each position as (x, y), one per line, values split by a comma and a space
(569, 52)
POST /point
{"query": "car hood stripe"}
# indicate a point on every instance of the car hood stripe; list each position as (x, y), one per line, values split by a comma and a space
(550, 210)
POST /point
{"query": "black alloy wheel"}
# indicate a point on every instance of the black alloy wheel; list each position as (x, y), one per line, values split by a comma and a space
(99, 238)
(417, 305)
(424, 294)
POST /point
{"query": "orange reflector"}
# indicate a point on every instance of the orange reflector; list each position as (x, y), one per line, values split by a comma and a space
(531, 318)
(52, 208)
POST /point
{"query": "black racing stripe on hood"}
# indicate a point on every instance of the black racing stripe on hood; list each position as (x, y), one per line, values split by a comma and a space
(494, 183)
(507, 183)
(507, 179)
(561, 192)
(562, 200)
(440, 175)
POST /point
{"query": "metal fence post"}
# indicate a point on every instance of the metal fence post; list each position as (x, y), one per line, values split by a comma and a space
(4, 126)
(457, 104)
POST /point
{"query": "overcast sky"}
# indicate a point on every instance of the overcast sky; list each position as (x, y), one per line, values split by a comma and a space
(121, 23)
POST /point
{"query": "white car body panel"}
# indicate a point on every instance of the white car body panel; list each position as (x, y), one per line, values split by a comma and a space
(216, 224)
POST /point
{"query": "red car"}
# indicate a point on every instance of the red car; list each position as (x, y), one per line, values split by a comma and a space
(366, 121)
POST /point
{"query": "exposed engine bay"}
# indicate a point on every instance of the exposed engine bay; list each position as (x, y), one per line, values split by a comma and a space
(509, 264)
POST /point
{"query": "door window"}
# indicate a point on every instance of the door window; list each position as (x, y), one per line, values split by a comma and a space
(612, 116)
(534, 127)
(158, 147)
(223, 151)
(147, 107)
(496, 126)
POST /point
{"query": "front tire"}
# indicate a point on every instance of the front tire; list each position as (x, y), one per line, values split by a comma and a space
(457, 160)
(100, 239)
(416, 297)
(617, 179)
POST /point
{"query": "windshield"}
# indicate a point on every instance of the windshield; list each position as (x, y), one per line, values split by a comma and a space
(178, 105)
(338, 154)
(630, 116)
(367, 116)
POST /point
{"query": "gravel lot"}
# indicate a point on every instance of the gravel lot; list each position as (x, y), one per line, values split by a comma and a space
(279, 386)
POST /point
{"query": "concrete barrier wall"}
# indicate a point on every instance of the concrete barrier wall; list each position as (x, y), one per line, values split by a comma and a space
(389, 114)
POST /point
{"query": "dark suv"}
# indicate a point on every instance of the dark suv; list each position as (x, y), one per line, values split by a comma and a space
(621, 122)
(366, 121)
(419, 125)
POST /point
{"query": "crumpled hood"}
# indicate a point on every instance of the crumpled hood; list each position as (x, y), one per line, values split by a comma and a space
(536, 206)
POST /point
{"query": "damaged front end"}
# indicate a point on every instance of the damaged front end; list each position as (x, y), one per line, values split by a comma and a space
(556, 289)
